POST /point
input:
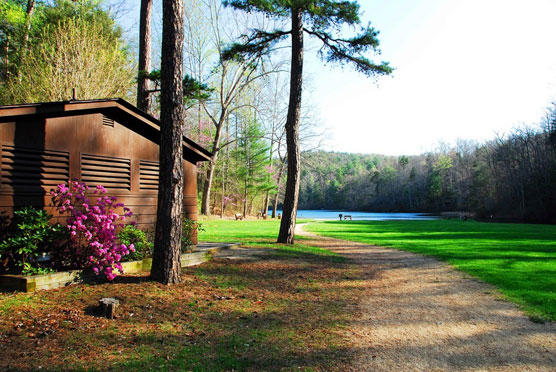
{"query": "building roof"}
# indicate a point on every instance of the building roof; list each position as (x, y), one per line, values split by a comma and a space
(115, 108)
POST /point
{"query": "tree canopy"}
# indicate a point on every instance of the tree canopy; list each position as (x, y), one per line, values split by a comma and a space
(321, 19)
(67, 45)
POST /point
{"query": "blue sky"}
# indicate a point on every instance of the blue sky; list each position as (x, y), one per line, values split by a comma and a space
(464, 69)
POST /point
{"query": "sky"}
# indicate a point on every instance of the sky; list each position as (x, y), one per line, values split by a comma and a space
(468, 69)
(463, 69)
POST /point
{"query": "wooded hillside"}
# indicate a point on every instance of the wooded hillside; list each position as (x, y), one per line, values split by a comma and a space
(512, 176)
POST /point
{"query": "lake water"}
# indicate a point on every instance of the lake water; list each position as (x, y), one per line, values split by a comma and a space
(363, 216)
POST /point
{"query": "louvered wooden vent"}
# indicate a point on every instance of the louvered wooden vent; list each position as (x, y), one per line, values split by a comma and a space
(27, 168)
(148, 175)
(110, 172)
(107, 121)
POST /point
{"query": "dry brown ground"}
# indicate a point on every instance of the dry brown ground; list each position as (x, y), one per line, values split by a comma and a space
(249, 309)
(419, 314)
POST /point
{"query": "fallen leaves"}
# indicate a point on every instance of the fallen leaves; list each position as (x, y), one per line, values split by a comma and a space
(223, 310)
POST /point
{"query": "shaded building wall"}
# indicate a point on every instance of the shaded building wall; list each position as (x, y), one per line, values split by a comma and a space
(38, 154)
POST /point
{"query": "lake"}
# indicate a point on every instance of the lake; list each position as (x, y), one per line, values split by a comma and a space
(364, 216)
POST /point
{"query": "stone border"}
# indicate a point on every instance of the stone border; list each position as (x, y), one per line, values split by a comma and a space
(203, 253)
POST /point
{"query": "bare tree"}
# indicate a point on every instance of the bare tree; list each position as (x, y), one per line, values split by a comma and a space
(231, 80)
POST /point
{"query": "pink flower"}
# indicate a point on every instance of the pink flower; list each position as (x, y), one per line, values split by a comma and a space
(93, 226)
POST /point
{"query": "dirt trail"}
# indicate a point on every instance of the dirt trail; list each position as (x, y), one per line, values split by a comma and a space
(422, 315)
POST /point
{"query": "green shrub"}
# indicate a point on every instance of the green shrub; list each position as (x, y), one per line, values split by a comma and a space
(28, 235)
(143, 244)
(188, 231)
(139, 238)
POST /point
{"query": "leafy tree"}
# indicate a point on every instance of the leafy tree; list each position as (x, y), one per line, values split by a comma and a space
(321, 19)
(14, 30)
(90, 11)
(403, 161)
(16, 20)
(71, 46)
(252, 153)
(193, 90)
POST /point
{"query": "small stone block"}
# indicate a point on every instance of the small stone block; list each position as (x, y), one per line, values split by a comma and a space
(109, 306)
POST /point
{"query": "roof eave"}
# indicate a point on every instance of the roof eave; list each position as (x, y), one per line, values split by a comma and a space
(116, 106)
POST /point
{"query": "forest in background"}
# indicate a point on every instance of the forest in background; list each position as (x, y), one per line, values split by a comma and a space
(511, 177)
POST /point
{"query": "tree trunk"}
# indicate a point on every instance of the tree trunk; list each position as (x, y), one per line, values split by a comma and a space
(207, 186)
(245, 203)
(29, 14)
(6, 57)
(278, 186)
(275, 203)
(287, 226)
(246, 185)
(266, 201)
(23, 51)
(166, 266)
(143, 101)
(222, 194)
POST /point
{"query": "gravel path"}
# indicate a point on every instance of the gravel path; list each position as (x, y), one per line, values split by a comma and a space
(422, 315)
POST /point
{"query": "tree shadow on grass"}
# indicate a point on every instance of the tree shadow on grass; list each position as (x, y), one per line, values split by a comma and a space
(285, 314)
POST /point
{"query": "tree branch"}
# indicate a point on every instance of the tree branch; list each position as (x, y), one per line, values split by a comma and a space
(255, 45)
(347, 50)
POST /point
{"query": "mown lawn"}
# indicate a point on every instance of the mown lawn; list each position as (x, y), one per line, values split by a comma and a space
(286, 311)
(258, 233)
(519, 259)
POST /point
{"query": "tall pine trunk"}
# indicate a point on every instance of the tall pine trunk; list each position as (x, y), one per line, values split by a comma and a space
(143, 101)
(166, 267)
(289, 210)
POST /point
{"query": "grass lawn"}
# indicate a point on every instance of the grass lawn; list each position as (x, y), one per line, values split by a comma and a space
(286, 312)
(259, 233)
(519, 259)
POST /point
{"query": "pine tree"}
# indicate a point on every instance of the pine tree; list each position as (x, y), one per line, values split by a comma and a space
(166, 266)
(253, 165)
(321, 19)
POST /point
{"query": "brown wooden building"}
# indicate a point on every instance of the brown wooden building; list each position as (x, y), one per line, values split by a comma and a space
(105, 142)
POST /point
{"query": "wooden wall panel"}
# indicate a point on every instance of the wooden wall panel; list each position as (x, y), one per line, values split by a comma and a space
(92, 147)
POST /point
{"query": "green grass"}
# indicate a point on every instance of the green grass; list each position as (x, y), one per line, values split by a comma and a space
(259, 231)
(519, 259)
(259, 234)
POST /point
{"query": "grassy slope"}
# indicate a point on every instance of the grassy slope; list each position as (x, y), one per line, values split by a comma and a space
(517, 258)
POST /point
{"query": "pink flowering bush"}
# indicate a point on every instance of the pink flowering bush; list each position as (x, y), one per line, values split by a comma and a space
(92, 227)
